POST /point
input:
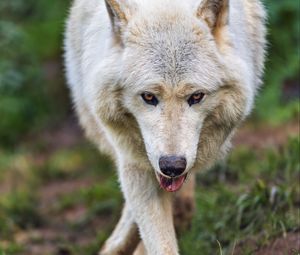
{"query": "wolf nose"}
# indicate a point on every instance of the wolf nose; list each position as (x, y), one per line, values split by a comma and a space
(172, 166)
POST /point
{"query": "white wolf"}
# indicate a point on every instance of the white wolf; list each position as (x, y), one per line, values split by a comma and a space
(161, 86)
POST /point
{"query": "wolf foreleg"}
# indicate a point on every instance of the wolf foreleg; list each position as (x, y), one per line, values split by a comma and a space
(125, 236)
(151, 209)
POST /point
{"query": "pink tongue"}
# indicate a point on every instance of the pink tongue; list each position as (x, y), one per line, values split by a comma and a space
(171, 184)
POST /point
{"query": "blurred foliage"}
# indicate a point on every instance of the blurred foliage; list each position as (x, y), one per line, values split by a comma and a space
(30, 35)
(20, 206)
(283, 62)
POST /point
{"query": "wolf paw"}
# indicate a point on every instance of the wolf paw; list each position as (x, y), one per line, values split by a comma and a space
(105, 251)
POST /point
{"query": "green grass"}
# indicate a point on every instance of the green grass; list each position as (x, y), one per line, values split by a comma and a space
(254, 196)
(31, 36)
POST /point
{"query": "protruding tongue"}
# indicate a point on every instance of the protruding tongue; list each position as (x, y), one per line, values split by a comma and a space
(171, 184)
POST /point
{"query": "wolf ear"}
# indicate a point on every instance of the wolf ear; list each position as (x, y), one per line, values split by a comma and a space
(215, 13)
(119, 14)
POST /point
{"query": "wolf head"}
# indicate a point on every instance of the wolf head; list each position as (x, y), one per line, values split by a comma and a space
(175, 81)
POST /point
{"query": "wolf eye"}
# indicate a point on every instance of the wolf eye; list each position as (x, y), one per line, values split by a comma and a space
(149, 98)
(196, 98)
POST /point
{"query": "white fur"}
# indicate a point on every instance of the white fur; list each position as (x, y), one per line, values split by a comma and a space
(165, 48)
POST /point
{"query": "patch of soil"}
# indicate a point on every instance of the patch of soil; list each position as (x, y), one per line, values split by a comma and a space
(289, 245)
(261, 137)
(50, 192)
(62, 228)
(64, 135)
(283, 245)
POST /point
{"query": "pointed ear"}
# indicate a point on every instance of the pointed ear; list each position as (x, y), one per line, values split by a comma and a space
(119, 13)
(116, 10)
(215, 13)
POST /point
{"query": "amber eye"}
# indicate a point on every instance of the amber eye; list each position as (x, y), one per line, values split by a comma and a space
(196, 98)
(149, 98)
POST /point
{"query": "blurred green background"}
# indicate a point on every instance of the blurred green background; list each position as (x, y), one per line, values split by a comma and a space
(59, 196)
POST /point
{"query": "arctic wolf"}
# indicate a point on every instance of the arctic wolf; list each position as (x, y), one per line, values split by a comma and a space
(161, 86)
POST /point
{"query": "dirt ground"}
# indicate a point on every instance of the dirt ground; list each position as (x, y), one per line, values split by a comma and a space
(289, 244)
(259, 136)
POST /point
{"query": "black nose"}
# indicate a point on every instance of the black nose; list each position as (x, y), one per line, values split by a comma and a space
(172, 166)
